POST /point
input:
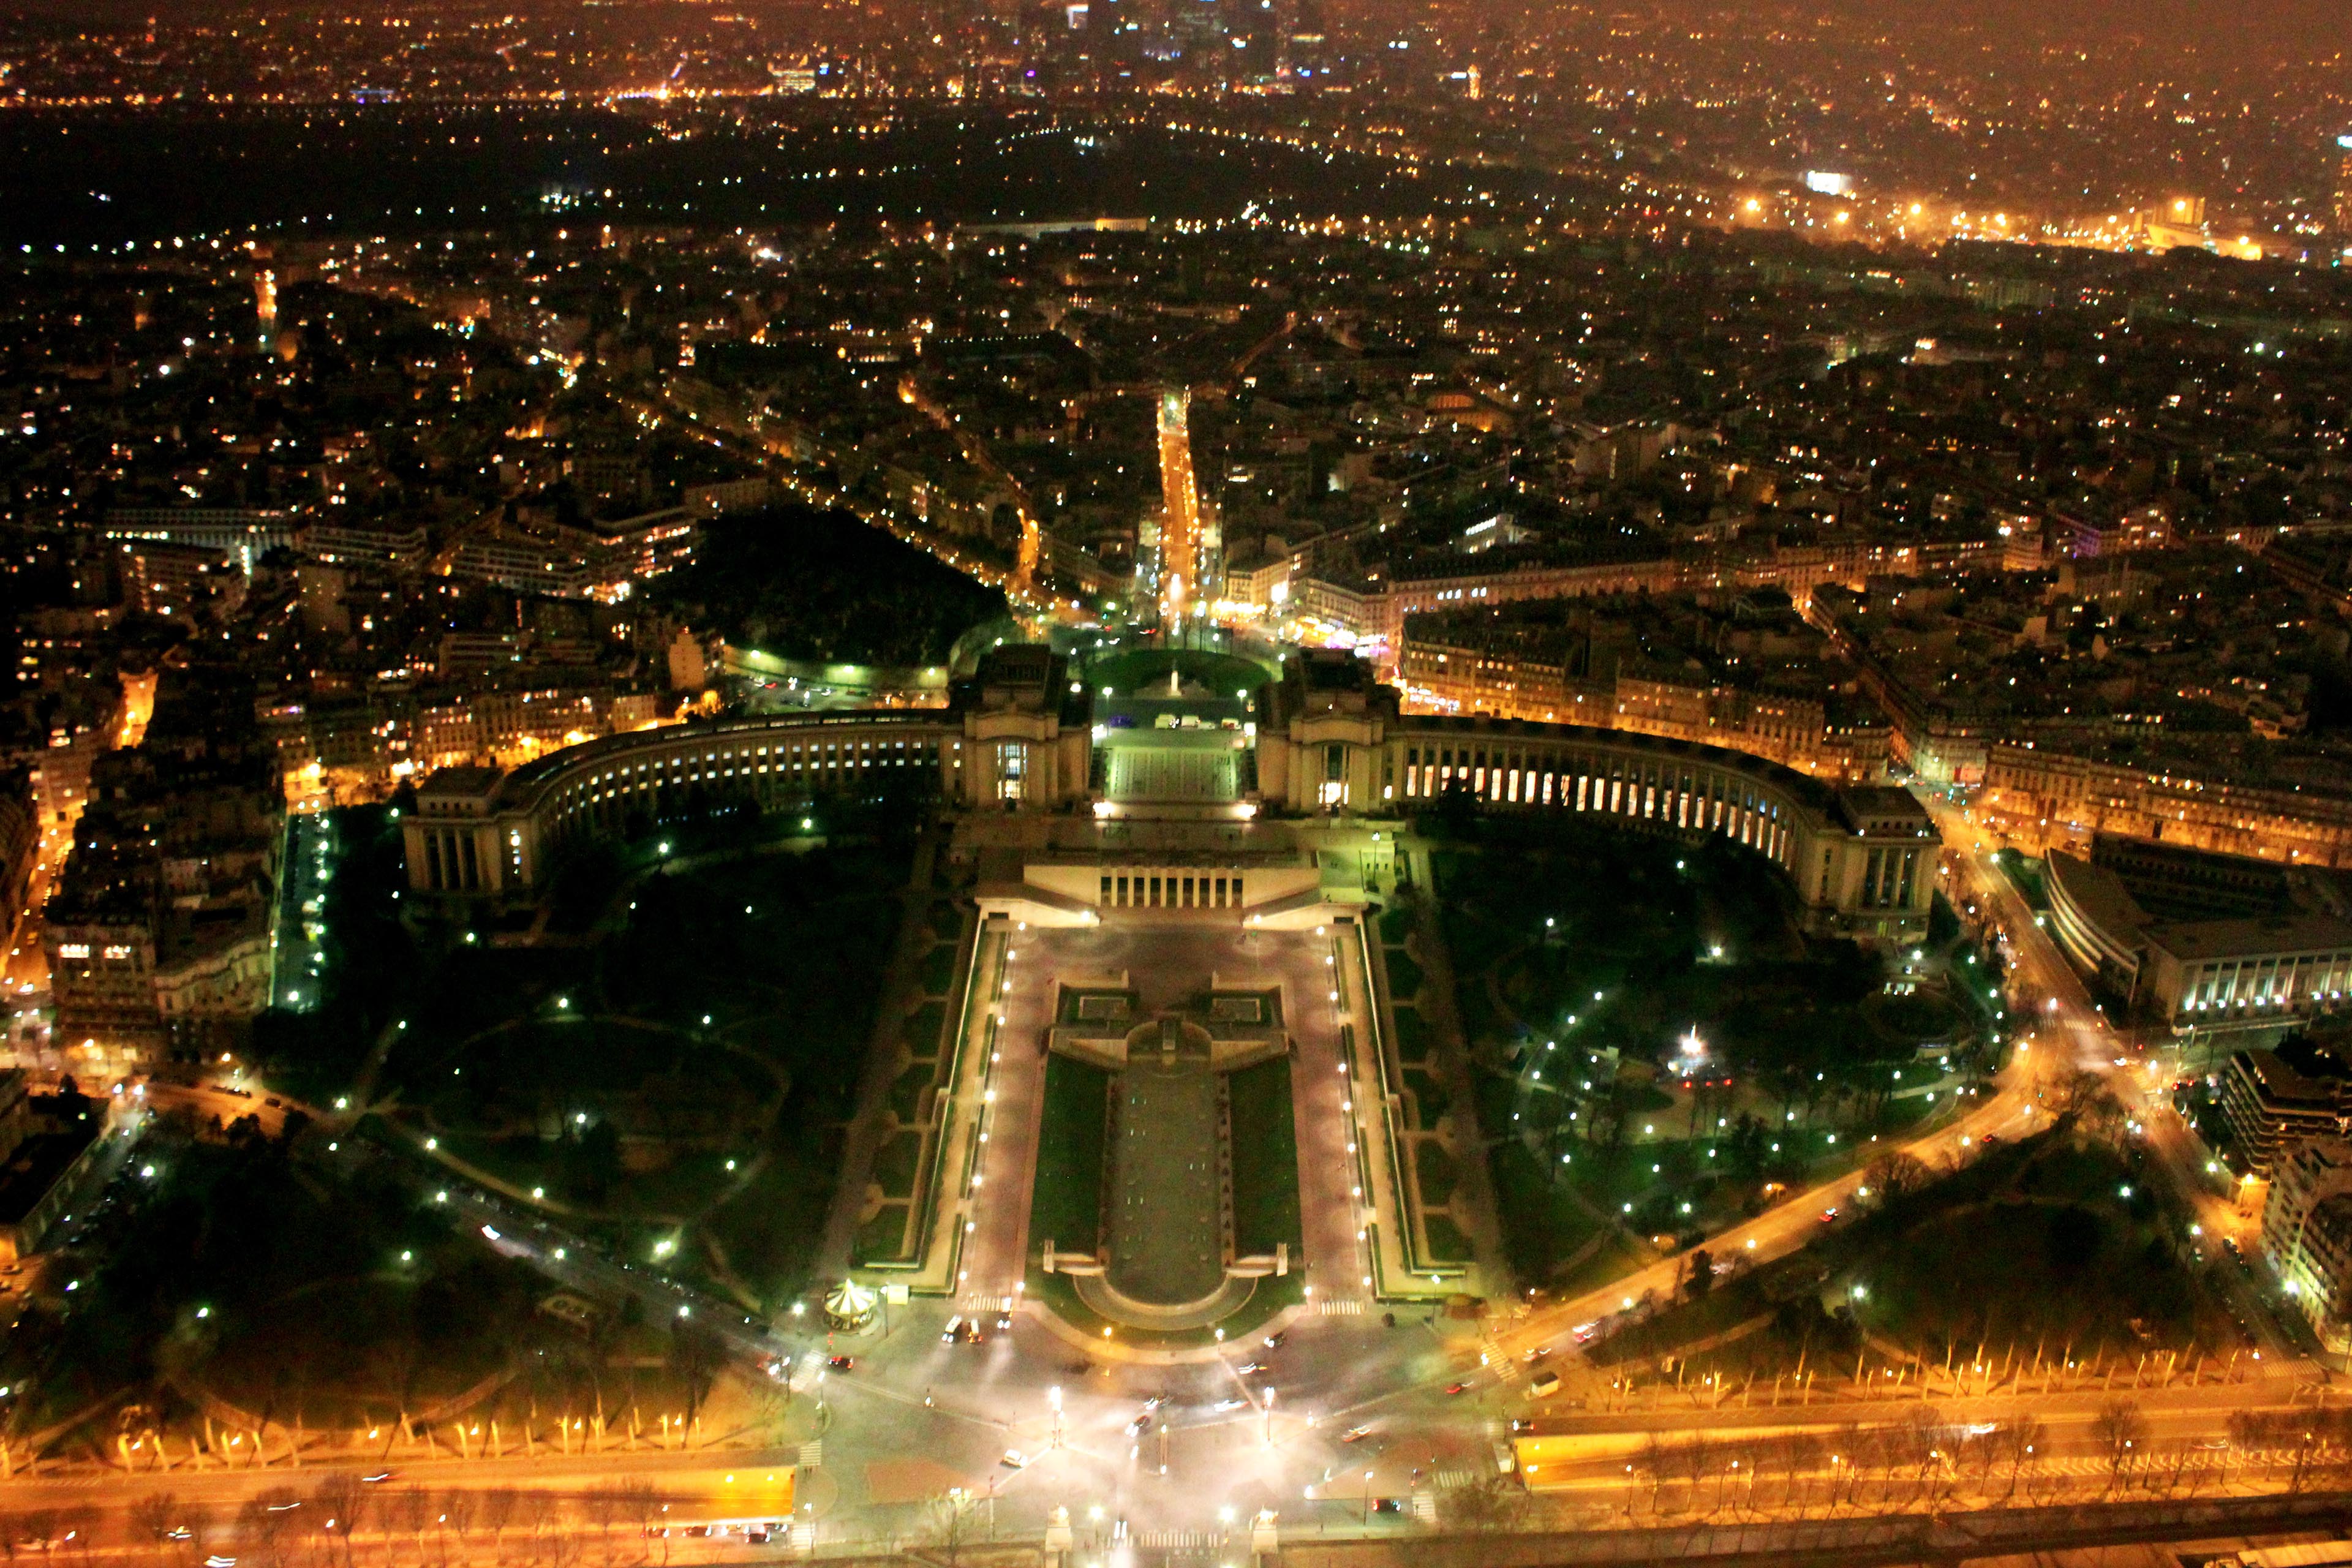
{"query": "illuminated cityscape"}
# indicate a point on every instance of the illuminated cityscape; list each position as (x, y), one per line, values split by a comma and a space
(1164, 783)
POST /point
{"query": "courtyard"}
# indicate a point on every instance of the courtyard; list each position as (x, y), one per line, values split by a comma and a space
(1045, 1169)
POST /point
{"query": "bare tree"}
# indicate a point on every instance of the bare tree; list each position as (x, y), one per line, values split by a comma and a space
(79, 1524)
(560, 1544)
(2022, 1442)
(458, 1506)
(1698, 1461)
(2121, 1432)
(40, 1527)
(1845, 1461)
(1653, 1464)
(498, 1509)
(1800, 1455)
(197, 1520)
(264, 1524)
(949, 1522)
(339, 1500)
(152, 1519)
(1896, 1174)
(697, 1355)
(413, 1512)
(1484, 1505)
(547, 1516)
(2079, 1097)
(600, 1506)
(643, 1507)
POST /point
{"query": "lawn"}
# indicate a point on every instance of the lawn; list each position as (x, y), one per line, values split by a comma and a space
(1066, 1205)
(1414, 1038)
(1268, 1297)
(770, 1231)
(1404, 975)
(1265, 1161)
(1543, 1226)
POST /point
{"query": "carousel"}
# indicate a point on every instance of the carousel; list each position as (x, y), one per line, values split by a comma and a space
(849, 1307)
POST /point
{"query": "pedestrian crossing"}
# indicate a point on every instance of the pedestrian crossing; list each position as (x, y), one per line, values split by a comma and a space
(986, 1303)
(1180, 1540)
(812, 1453)
(1334, 1307)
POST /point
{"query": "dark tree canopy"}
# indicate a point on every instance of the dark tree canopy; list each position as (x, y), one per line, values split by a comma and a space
(803, 584)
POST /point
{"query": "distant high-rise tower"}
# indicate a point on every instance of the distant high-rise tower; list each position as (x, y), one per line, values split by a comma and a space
(2344, 187)
(1306, 50)
(1255, 41)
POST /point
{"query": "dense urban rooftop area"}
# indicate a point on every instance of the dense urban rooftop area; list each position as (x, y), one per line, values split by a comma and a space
(1148, 783)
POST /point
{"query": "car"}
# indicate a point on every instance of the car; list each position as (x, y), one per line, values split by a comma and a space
(1388, 1505)
(1140, 1424)
(1541, 1353)
(1013, 1459)
(273, 1101)
(1155, 1402)
(1247, 1367)
(1828, 1215)
(954, 1330)
(1274, 1342)
(379, 1475)
(1230, 1404)
(1458, 1388)
(1584, 1334)
(1004, 1321)
(842, 1362)
(1355, 1434)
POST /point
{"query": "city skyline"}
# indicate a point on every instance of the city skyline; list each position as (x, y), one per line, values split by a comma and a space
(1155, 784)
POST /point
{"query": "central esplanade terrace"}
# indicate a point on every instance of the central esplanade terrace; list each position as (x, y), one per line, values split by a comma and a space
(1327, 741)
